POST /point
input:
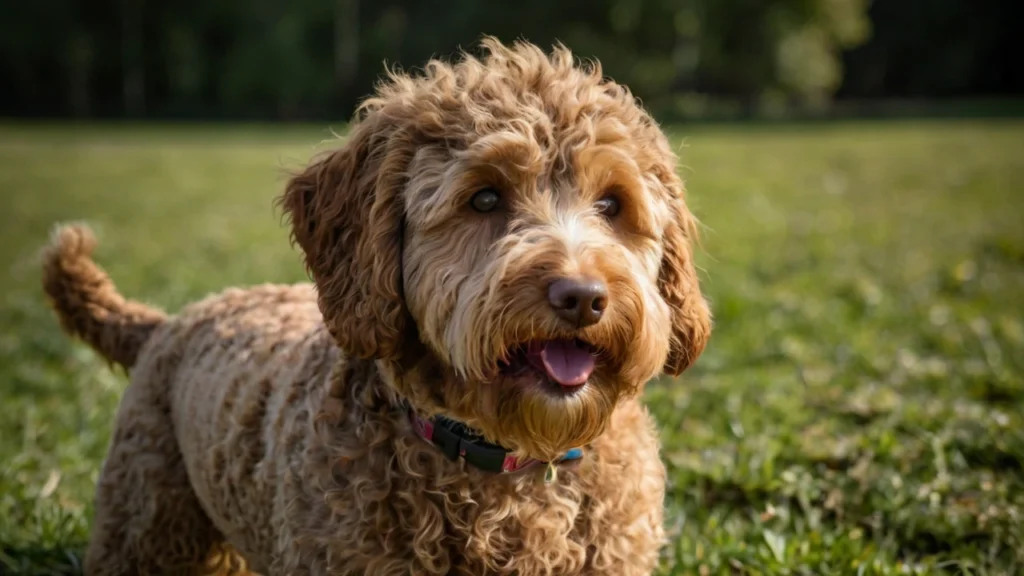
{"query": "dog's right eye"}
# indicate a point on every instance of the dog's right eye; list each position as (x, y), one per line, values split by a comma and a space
(485, 200)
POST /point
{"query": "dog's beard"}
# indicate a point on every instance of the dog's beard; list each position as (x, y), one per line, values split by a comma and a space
(533, 417)
(521, 406)
(525, 410)
(543, 423)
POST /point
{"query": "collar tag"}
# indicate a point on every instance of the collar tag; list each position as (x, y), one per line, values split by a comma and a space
(551, 474)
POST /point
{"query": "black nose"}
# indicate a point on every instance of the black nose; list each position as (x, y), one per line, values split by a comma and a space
(579, 301)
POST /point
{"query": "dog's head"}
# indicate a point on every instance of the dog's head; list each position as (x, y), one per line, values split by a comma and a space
(508, 237)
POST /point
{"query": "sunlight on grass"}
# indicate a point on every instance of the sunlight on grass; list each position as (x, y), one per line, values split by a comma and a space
(860, 406)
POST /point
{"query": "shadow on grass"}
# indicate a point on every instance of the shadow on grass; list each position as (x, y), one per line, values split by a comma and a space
(41, 561)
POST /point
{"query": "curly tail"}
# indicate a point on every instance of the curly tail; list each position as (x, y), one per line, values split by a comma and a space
(88, 304)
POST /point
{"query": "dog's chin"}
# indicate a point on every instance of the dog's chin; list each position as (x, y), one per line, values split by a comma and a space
(553, 396)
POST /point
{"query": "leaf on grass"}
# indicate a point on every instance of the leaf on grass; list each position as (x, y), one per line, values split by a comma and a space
(51, 484)
(777, 544)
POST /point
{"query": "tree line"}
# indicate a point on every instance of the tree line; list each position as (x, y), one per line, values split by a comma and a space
(315, 59)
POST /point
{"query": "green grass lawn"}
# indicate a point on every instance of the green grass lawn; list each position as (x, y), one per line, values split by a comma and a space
(860, 408)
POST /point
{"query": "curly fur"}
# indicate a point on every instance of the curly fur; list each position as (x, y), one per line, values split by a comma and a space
(267, 429)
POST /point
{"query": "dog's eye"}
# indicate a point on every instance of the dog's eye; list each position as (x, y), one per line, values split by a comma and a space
(608, 206)
(485, 200)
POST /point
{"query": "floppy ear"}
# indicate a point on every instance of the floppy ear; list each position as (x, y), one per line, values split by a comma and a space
(680, 287)
(346, 212)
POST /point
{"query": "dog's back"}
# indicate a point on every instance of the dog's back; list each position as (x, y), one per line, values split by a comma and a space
(214, 408)
(238, 367)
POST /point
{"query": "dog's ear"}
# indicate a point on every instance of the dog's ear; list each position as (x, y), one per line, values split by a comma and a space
(679, 285)
(346, 211)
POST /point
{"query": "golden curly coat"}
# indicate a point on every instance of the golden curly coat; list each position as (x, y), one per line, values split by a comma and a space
(267, 429)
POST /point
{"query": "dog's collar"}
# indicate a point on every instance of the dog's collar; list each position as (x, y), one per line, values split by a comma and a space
(455, 439)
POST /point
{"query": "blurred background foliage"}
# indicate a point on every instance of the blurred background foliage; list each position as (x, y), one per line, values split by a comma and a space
(314, 59)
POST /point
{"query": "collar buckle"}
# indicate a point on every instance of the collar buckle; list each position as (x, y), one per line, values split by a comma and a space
(453, 441)
(446, 440)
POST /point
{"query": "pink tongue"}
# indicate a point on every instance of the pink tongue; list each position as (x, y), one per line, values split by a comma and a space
(566, 362)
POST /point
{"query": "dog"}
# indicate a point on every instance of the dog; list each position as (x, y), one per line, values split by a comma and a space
(501, 257)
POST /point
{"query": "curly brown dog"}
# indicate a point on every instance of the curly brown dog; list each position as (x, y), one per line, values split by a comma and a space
(501, 257)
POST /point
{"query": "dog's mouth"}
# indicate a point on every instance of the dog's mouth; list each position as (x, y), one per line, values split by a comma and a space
(565, 364)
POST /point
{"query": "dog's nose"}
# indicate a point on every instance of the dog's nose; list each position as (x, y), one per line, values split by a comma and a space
(579, 301)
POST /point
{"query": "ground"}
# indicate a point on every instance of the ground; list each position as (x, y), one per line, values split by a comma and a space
(860, 408)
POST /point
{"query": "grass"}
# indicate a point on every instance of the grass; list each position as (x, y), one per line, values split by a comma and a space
(860, 408)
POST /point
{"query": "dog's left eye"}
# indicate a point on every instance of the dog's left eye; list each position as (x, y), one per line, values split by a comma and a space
(485, 200)
(608, 206)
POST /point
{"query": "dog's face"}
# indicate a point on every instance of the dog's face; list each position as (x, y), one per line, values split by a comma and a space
(510, 237)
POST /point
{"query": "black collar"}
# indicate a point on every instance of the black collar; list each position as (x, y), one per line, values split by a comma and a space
(455, 439)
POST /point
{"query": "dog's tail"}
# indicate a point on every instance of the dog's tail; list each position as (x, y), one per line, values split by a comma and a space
(88, 304)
